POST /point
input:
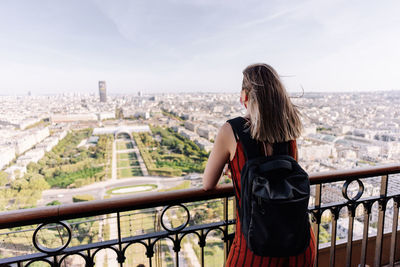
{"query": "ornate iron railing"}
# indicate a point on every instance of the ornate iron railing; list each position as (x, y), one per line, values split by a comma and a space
(171, 217)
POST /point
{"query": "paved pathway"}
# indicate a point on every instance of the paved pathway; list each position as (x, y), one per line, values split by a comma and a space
(190, 254)
(114, 161)
(106, 254)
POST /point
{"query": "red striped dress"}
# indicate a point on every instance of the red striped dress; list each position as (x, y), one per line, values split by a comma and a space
(239, 254)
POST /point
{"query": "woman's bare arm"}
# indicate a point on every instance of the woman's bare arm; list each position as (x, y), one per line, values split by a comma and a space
(219, 156)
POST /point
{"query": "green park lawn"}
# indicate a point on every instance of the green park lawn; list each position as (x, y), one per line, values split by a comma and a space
(121, 145)
(126, 156)
(129, 172)
(127, 163)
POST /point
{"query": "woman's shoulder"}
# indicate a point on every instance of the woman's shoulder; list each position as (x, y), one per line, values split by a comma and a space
(226, 136)
(226, 129)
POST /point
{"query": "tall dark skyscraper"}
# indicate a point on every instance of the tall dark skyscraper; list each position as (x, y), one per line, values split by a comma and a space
(102, 91)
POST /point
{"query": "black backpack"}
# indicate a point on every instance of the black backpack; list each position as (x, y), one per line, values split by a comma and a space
(275, 190)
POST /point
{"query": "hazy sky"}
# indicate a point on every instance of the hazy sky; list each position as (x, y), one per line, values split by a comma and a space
(59, 46)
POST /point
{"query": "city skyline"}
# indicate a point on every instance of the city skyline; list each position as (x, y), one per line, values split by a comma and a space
(63, 149)
(196, 46)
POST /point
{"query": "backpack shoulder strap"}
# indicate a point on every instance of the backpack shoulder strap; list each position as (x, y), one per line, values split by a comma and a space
(242, 133)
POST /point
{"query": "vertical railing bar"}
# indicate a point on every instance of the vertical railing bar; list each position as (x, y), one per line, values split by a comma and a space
(149, 255)
(350, 236)
(119, 235)
(177, 250)
(367, 212)
(379, 236)
(335, 216)
(226, 217)
(157, 219)
(89, 257)
(381, 221)
(226, 209)
(316, 225)
(394, 231)
(202, 249)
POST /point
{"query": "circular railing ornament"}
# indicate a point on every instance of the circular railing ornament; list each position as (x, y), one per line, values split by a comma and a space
(359, 192)
(48, 227)
(179, 228)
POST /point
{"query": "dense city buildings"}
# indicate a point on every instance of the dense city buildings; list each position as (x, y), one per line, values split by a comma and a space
(341, 130)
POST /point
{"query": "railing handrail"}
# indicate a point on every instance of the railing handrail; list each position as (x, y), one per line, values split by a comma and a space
(365, 172)
(23, 217)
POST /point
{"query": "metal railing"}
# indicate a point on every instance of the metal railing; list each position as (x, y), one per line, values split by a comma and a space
(59, 223)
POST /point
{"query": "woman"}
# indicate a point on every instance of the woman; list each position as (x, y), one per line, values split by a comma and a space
(272, 118)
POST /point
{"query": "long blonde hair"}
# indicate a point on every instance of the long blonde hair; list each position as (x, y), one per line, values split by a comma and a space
(273, 117)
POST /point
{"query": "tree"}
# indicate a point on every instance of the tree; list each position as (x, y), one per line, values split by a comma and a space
(19, 184)
(188, 150)
(54, 203)
(33, 167)
(179, 148)
(37, 182)
(3, 178)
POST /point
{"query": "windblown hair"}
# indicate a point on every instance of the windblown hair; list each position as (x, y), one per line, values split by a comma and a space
(273, 117)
